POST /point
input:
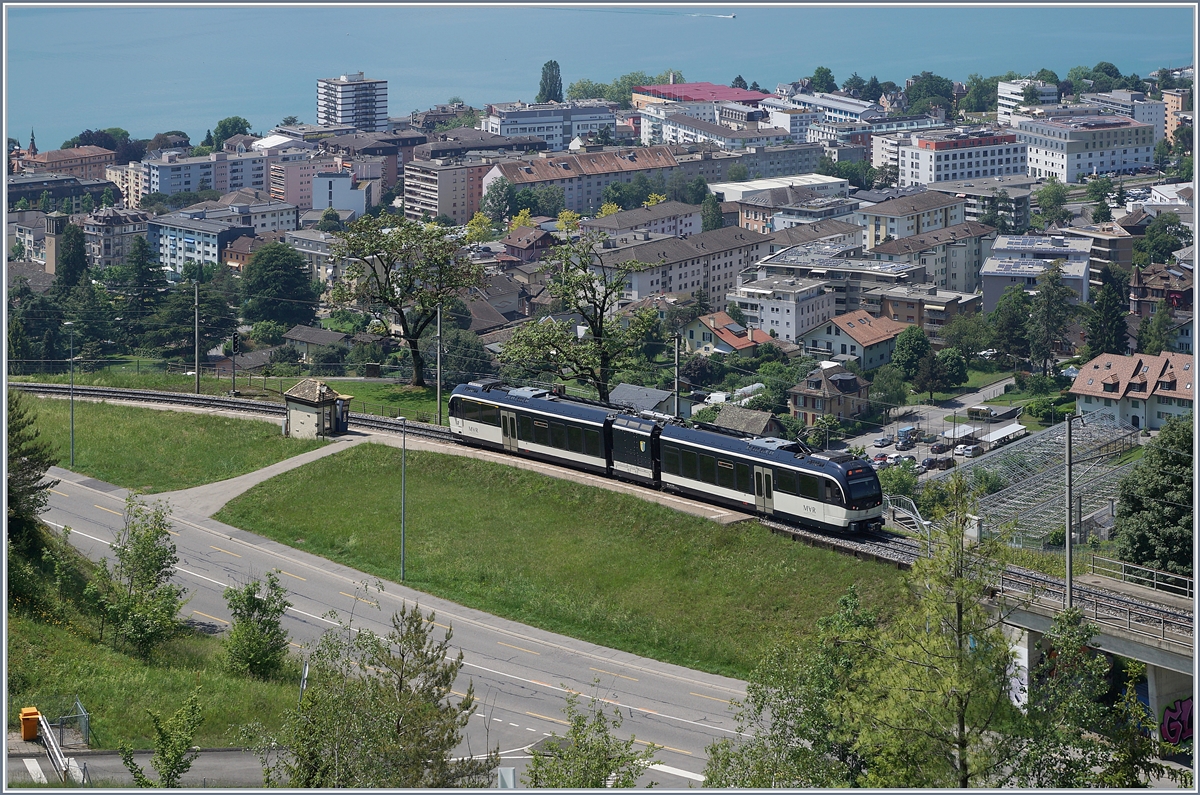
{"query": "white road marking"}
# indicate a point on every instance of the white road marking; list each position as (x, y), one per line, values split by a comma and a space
(674, 771)
(35, 770)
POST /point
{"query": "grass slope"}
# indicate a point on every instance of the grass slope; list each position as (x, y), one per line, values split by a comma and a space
(156, 451)
(604, 567)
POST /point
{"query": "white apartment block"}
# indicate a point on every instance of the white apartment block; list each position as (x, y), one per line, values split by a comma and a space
(1136, 106)
(558, 123)
(834, 107)
(354, 100)
(709, 261)
(933, 156)
(1011, 95)
(666, 218)
(683, 130)
(794, 120)
(220, 171)
(952, 256)
(999, 273)
(653, 116)
(908, 216)
(338, 190)
(788, 306)
(1070, 149)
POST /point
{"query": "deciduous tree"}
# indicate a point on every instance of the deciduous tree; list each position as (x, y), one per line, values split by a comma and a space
(888, 390)
(1008, 321)
(822, 80)
(930, 375)
(711, 216)
(911, 346)
(1154, 332)
(587, 286)
(257, 643)
(173, 749)
(404, 270)
(227, 128)
(589, 756)
(969, 333)
(498, 200)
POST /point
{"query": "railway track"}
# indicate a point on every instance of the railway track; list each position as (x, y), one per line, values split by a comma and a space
(1100, 605)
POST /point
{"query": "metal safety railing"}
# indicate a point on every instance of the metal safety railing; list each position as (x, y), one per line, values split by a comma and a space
(1176, 584)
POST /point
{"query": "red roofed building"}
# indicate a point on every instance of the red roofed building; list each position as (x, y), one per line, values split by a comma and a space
(694, 92)
(527, 244)
(1144, 391)
(88, 162)
(719, 333)
(829, 389)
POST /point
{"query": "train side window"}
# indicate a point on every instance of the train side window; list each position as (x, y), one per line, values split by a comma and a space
(725, 474)
(767, 480)
(525, 425)
(810, 488)
(670, 459)
(833, 494)
(541, 432)
(489, 415)
(591, 442)
(743, 478)
(708, 469)
(575, 438)
(456, 408)
(558, 435)
(688, 470)
(470, 411)
(785, 481)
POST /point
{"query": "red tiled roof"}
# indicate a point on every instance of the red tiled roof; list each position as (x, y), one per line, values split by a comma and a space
(1125, 371)
(867, 330)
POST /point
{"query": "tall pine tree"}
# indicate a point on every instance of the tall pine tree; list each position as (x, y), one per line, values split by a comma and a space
(1049, 312)
(1105, 325)
(72, 258)
(1154, 332)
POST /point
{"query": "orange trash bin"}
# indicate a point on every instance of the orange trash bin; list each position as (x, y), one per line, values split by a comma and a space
(29, 723)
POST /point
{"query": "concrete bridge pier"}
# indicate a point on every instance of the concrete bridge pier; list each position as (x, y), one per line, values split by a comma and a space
(1028, 646)
(1170, 695)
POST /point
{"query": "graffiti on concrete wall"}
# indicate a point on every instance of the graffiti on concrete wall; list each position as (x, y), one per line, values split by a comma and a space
(1176, 723)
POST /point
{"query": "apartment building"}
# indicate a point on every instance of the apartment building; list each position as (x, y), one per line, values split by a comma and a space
(795, 120)
(783, 306)
(291, 181)
(855, 336)
(1144, 391)
(30, 187)
(315, 248)
(108, 234)
(655, 114)
(781, 207)
(220, 171)
(1157, 282)
(1072, 149)
(999, 273)
(909, 215)
(833, 106)
(341, 191)
(829, 389)
(847, 277)
(558, 123)
(1174, 102)
(952, 256)
(255, 209)
(962, 153)
(666, 218)
(465, 140)
(1135, 105)
(1108, 242)
(980, 195)
(1010, 94)
(353, 100)
(179, 238)
(709, 261)
(583, 177)
(831, 231)
(684, 130)
(924, 305)
(87, 162)
(449, 187)
(312, 133)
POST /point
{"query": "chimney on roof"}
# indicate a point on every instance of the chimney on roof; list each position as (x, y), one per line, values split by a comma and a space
(671, 77)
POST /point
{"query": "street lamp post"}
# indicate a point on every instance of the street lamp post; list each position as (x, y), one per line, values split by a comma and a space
(403, 463)
(71, 366)
(1069, 597)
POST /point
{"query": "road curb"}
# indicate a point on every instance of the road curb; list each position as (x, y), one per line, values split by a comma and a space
(112, 752)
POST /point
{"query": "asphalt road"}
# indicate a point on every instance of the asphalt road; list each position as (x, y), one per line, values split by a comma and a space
(521, 674)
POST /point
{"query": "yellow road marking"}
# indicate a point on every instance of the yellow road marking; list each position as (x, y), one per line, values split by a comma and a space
(711, 698)
(518, 648)
(364, 601)
(664, 747)
(293, 643)
(543, 684)
(545, 717)
(281, 571)
(110, 510)
(206, 615)
(226, 551)
(443, 626)
(59, 493)
(456, 693)
(612, 673)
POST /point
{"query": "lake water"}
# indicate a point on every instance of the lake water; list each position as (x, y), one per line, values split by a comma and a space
(150, 70)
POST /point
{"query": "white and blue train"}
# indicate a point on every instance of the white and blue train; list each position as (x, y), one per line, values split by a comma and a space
(770, 477)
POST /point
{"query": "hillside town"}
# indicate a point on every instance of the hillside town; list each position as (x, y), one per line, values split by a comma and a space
(893, 278)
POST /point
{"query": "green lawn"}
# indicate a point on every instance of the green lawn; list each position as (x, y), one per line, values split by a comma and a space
(586, 562)
(976, 379)
(154, 451)
(47, 661)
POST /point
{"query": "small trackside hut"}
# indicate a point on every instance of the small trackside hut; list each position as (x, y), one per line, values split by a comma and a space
(315, 411)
